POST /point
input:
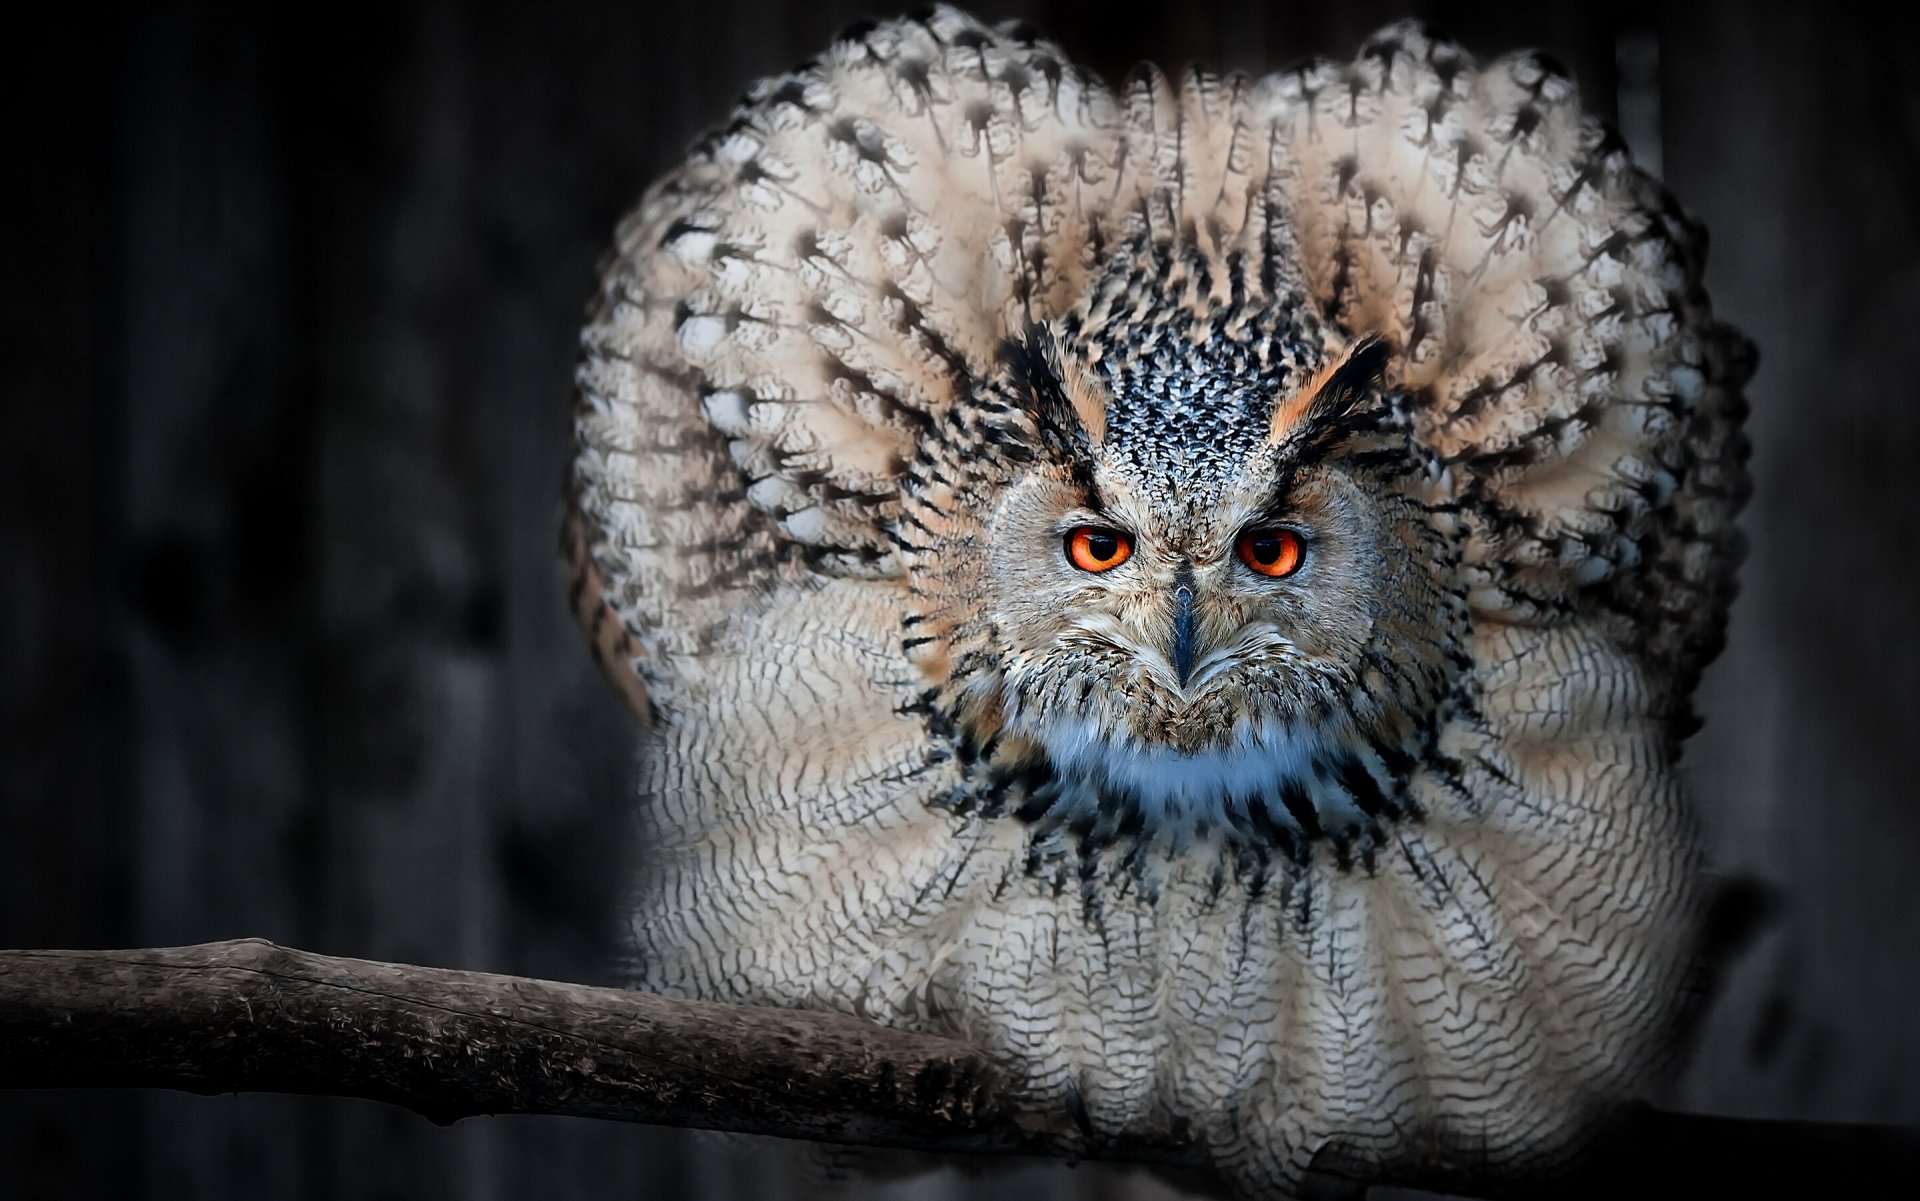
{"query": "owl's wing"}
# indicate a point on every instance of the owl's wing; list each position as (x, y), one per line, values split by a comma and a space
(800, 301)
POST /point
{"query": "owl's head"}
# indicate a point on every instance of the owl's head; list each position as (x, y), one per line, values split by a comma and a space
(1187, 583)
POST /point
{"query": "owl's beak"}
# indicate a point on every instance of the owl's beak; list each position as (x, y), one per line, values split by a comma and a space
(1183, 626)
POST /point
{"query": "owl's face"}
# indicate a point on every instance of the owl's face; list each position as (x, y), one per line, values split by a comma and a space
(1211, 593)
(1181, 621)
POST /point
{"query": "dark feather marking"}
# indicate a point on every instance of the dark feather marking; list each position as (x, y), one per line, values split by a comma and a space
(1037, 384)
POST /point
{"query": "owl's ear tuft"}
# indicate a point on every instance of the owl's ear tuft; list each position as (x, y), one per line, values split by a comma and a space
(1069, 411)
(1335, 392)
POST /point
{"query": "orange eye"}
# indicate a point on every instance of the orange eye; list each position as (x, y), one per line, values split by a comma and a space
(1096, 548)
(1274, 553)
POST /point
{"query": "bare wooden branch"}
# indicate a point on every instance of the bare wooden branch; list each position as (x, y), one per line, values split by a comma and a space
(249, 1016)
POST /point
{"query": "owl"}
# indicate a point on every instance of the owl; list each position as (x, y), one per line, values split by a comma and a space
(1192, 587)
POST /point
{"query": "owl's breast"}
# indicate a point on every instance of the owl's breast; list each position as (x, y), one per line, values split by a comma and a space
(1505, 960)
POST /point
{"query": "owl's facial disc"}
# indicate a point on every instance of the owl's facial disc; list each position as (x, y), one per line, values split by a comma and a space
(1180, 610)
(1174, 571)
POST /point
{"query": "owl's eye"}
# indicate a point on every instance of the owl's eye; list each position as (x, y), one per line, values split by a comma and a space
(1097, 548)
(1273, 553)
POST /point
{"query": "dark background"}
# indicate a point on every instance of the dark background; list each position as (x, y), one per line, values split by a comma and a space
(290, 306)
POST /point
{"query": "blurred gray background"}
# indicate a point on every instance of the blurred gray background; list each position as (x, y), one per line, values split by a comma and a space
(289, 309)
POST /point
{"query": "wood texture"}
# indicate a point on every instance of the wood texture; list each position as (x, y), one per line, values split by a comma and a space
(251, 1016)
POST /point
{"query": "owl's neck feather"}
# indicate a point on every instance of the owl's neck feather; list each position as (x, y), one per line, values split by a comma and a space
(1276, 768)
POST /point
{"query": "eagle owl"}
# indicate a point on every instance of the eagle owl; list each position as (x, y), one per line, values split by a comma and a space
(1192, 587)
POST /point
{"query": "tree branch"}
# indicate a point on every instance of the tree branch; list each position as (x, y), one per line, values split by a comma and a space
(250, 1016)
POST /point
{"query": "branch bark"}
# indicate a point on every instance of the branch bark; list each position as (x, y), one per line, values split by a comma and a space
(250, 1016)
(247, 1016)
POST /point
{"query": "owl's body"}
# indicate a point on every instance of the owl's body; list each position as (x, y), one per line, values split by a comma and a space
(1333, 800)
